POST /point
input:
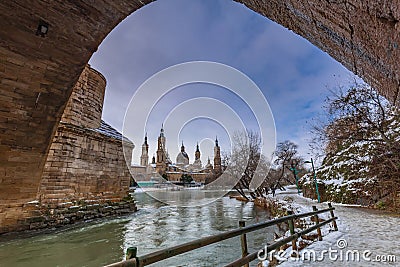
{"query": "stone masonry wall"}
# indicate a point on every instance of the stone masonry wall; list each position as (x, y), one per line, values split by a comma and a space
(85, 104)
(83, 165)
(39, 216)
(37, 75)
(363, 35)
(85, 175)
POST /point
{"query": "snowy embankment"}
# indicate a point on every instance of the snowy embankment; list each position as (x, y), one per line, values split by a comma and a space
(364, 237)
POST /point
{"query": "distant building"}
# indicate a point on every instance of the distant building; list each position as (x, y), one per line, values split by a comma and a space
(162, 166)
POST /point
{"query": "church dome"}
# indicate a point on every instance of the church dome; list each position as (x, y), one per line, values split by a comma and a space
(182, 158)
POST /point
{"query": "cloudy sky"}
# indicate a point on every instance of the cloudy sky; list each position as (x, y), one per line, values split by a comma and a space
(291, 73)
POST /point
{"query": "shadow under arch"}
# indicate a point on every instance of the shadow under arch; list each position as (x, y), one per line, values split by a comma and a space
(38, 73)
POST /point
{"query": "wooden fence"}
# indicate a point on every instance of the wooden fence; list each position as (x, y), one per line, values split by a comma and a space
(138, 261)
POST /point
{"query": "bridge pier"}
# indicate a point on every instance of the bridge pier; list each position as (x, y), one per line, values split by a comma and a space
(85, 166)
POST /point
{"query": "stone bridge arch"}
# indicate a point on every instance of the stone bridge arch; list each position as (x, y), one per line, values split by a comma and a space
(38, 73)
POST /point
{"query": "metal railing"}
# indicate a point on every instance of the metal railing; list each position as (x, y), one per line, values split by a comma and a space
(138, 261)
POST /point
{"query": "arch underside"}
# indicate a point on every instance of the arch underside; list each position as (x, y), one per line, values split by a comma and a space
(37, 74)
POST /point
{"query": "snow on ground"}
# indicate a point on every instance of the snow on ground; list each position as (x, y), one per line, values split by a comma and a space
(365, 237)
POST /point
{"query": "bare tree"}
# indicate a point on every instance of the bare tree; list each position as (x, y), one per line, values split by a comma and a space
(286, 157)
(246, 162)
(361, 116)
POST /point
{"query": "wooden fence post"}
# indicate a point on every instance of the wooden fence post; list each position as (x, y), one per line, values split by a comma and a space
(131, 253)
(317, 222)
(333, 216)
(294, 242)
(243, 242)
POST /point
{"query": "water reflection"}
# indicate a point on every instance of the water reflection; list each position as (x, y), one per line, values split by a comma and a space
(154, 226)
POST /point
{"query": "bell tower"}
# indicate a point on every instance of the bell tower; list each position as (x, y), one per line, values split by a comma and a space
(197, 162)
(197, 153)
(217, 158)
(144, 158)
(161, 163)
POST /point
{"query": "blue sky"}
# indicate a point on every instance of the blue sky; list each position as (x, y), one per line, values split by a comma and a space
(292, 74)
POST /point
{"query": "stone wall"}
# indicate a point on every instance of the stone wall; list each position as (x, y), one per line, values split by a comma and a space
(363, 35)
(85, 166)
(40, 216)
(86, 159)
(37, 75)
(85, 105)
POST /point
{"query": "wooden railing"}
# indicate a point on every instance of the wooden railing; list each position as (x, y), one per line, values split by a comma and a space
(139, 261)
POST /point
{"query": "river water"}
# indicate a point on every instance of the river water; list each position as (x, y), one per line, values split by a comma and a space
(155, 226)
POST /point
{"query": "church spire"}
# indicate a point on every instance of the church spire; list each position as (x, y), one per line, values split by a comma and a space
(144, 158)
(162, 130)
(197, 153)
(217, 158)
(162, 160)
(182, 147)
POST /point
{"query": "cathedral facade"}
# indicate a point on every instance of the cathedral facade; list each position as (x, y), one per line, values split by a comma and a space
(162, 166)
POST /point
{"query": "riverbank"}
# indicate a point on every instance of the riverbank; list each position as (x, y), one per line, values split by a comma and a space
(68, 213)
(282, 204)
(366, 193)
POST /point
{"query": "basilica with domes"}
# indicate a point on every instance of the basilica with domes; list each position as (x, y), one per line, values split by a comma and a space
(162, 166)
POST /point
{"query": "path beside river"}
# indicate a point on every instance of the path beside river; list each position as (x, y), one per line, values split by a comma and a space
(361, 229)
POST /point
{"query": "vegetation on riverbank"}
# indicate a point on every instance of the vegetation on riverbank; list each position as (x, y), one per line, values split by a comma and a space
(362, 150)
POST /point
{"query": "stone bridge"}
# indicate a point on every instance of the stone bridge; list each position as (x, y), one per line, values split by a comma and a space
(37, 73)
